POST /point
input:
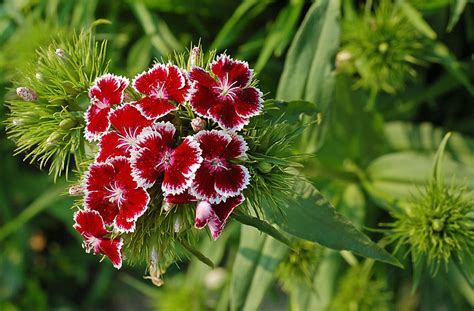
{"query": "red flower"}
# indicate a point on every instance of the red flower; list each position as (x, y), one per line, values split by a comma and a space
(218, 179)
(111, 190)
(160, 85)
(229, 99)
(215, 215)
(155, 156)
(128, 122)
(106, 92)
(92, 228)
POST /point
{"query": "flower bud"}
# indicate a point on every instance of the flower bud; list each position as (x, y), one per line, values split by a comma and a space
(195, 56)
(76, 190)
(342, 58)
(383, 47)
(177, 224)
(39, 76)
(264, 167)
(198, 124)
(53, 139)
(167, 206)
(67, 124)
(127, 98)
(60, 53)
(26, 93)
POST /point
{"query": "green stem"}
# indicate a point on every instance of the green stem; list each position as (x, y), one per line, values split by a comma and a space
(49, 197)
(372, 100)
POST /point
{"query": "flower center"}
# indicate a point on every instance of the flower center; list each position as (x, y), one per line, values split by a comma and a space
(129, 139)
(159, 91)
(165, 160)
(227, 89)
(91, 243)
(216, 164)
(116, 194)
(101, 104)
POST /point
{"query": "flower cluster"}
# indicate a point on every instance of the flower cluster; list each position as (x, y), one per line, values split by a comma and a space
(145, 146)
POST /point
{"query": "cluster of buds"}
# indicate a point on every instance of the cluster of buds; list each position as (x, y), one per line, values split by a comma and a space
(144, 145)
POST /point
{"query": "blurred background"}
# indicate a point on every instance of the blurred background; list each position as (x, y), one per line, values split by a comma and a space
(403, 76)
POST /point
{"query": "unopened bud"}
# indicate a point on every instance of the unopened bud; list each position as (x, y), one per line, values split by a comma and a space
(76, 190)
(198, 124)
(167, 206)
(383, 47)
(437, 225)
(67, 124)
(177, 224)
(39, 76)
(17, 122)
(26, 93)
(264, 167)
(195, 56)
(60, 53)
(53, 139)
(343, 57)
(127, 98)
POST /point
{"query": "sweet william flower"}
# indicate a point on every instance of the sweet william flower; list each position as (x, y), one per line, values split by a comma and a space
(92, 228)
(217, 178)
(106, 92)
(162, 85)
(111, 190)
(128, 123)
(228, 99)
(155, 156)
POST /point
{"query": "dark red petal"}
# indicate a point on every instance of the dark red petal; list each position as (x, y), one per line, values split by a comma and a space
(177, 85)
(146, 159)
(108, 89)
(110, 146)
(232, 180)
(129, 121)
(203, 187)
(97, 122)
(111, 248)
(124, 225)
(234, 71)
(184, 162)
(223, 210)
(236, 148)
(132, 207)
(213, 143)
(147, 81)
(248, 102)
(97, 201)
(182, 198)
(123, 172)
(89, 223)
(154, 108)
(227, 117)
(202, 77)
(204, 213)
(166, 130)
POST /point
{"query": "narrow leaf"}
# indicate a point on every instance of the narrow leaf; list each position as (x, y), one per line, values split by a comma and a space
(437, 170)
(197, 254)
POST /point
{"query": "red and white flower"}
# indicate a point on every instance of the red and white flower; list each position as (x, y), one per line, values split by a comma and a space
(106, 92)
(218, 179)
(92, 228)
(228, 99)
(215, 215)
(155, 156)
(162, 85)
(111, 190)
(128, 122)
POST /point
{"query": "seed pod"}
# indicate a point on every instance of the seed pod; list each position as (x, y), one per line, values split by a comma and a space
(26, 93)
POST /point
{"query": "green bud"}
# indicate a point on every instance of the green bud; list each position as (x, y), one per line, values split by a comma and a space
(437, 225)
(264, 167)
(67, 124)
(54, 138)
(383, 47)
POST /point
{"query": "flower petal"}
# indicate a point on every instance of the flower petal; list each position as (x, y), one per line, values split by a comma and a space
(182, 198)
(232, 180)
(154, 108)
(213, 143)
(234, 71)
(203, 186)
(236, 148)
(202, 95)
(111, 248)
(183, 164)
(147, 81)
(227, 117)
(248, 102)
(223, 210)
(89, 223)
(177, 85)
(129, 121)
(97, 122)
(204, 213)
(110, 146)
(108, 90)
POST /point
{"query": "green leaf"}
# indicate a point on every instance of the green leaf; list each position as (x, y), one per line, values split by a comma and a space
(457, 9)
(311, 217)
(292, 111)
(197, 253)
(139, 56)
(261, 225)
(437, 170)
(417, 20)
(258, 257)
(308, 71)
